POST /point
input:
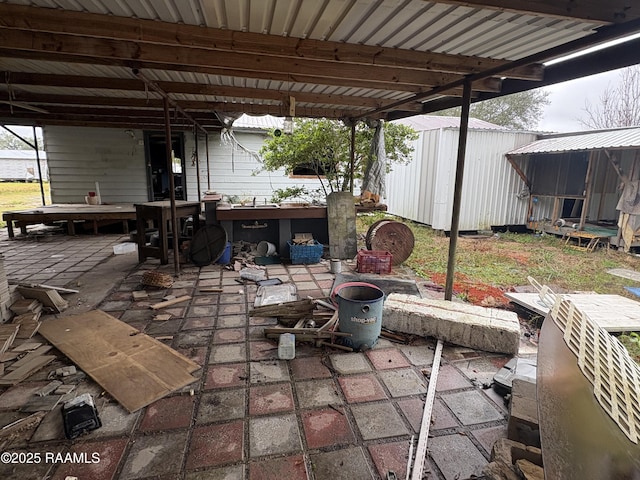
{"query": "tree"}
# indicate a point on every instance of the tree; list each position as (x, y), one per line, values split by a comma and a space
(321, 147)
(8, 141)
(618, 106)
(519, 111)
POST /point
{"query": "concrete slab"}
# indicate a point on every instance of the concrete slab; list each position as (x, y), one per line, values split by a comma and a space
(221, 405)
(269, 371)
(345, 363)
(456, 457)
(317, 393)
(344, 464)
(471, 408)
(378, 420)
(155, 455)
(273, 435)
(403, 382)
(486, 329)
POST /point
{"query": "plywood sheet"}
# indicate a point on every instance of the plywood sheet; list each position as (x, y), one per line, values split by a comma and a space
(625, 273)
(134, 368)
(614, 313)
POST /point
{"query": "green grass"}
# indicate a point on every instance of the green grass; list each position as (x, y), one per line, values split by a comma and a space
(21, 196)
(505, 260)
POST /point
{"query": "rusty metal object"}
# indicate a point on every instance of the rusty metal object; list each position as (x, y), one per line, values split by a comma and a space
(391, 236)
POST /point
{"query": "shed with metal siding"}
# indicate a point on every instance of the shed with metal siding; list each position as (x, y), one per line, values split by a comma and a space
(493, 193)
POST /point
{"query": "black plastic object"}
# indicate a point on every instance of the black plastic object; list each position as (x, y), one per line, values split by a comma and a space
(208, 245)
(79, 416)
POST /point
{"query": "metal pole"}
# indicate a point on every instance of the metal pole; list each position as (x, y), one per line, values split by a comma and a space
(195, 135)
(457, 193)
(352, 155)
(206, 147)
(35, 142)
(172, 191)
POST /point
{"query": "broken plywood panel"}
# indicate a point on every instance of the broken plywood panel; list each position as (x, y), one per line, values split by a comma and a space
(134, 368)
(625, 273)
(614, 313)
(49, 298)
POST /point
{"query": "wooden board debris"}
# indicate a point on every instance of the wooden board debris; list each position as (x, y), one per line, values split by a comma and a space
(135, 369)
(30, 356)
(7, 336)
(29, 325)
(26, 370)
(614, 313)
(27, 346)
(26, 305)
(41, 404)
(168, 303)
(50, 298)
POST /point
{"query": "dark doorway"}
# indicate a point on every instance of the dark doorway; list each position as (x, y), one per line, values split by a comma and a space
(157, 169)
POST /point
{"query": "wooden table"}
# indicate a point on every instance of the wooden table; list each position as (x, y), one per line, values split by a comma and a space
(591, 240)
(160, 214)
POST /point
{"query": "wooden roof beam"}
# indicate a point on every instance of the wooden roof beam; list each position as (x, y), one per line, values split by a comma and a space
(107, 83)
(487, 85)
(127, 53)
(191, 36)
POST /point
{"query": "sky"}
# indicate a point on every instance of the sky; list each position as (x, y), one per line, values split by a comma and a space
(568, 101)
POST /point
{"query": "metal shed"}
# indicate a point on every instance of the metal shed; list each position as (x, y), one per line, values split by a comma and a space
(584, 181)
(493, 194)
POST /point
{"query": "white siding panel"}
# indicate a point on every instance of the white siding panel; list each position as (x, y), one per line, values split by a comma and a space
(235, 172)
(491, 187)
(79, 157)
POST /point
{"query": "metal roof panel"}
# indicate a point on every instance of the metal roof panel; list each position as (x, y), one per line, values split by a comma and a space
(583, 141)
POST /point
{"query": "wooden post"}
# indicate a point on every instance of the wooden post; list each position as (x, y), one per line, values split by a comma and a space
(588, 188)
(206, 147)
(195, 136)
(35, 143)
(457, 193)
(352, 155)
(172, 191)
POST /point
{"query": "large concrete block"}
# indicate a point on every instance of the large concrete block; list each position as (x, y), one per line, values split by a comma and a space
(481, 328)
(341, 217)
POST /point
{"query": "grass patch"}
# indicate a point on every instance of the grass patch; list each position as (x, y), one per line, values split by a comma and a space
(505, 260)
(21, 196)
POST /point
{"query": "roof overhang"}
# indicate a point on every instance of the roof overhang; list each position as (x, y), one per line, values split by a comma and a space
(113, 62)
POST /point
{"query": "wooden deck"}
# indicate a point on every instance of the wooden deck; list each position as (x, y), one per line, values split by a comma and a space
(70, 212)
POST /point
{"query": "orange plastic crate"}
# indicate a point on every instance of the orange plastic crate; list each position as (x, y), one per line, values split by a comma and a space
(374, 261)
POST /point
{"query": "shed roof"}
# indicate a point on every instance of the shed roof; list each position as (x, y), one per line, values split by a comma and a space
(435, 122)
(619, 138)
(113, 62)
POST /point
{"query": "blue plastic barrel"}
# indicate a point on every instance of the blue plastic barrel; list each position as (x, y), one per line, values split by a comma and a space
(225, 258)
(359, 313)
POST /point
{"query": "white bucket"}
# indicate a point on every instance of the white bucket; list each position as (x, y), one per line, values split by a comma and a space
(126, 247)
(335, 266)
(266, 249)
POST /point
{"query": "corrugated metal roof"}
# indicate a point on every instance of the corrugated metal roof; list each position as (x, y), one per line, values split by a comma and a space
(435, 122)
(612, 139)
(377, 52)
(258, 122)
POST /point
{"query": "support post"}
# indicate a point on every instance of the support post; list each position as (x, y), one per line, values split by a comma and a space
(457, 193)
(172, 191)
(206, 147)
(35, 144)
(352, 155)
(195, 137)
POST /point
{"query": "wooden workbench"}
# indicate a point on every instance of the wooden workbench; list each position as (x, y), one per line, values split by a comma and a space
(160, 214)
(70, 213)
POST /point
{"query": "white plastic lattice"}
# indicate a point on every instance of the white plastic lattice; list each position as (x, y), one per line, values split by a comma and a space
(605, 362)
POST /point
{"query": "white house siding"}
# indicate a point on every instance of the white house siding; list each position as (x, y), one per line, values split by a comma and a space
(235, 172)
(490, 186)
(79, 157)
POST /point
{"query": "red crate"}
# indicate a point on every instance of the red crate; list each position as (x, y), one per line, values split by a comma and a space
(374, 261)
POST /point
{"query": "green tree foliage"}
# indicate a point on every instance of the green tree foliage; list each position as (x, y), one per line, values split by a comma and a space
(322, 146)
(520, 111)
(8, 141)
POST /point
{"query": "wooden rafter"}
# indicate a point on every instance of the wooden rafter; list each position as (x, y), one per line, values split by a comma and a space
(228, 41)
